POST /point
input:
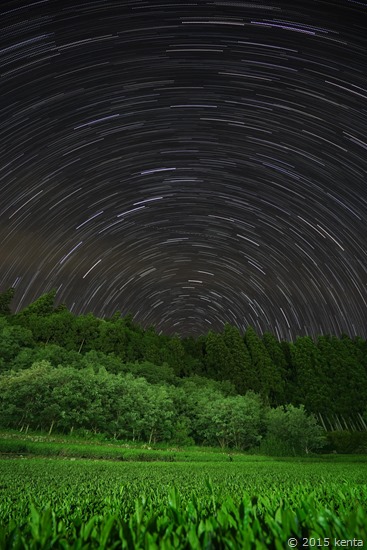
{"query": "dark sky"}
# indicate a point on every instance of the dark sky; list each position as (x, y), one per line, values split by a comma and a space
(193, 163)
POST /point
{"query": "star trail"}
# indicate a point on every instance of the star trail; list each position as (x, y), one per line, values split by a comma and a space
(193, 163)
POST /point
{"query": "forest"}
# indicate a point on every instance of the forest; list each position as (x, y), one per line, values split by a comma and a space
(61, 372)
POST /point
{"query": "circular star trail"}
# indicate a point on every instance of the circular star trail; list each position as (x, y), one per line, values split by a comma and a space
(193, 163)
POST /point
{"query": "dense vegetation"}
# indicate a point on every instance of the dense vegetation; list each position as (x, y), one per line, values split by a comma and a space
(247, 504)
(135, 401)
(61, 372)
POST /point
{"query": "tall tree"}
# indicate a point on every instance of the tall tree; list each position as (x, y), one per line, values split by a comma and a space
(240, 367)
(276, 354)
(344, 375)
(269, 381)
(290, 389)
(312, 388)
(217, 357)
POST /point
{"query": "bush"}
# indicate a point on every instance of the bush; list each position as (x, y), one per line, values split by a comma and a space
(291, 431)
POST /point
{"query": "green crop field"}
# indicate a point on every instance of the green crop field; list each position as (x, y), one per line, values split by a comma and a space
(249, 502)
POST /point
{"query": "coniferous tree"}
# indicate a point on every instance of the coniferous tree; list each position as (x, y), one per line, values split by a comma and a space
(269, 382)
(276, 353)
(312, 386)
(359, 350)
(329, 371)
(217, 357)
(290, 388)
(347, 380)
(240, 367)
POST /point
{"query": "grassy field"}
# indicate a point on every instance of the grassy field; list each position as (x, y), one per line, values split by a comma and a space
(200, 499)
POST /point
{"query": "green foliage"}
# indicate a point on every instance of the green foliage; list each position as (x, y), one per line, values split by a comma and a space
(13, 339)
(277, 354)
(328, 377)
(312, 387)
(291, 431)
(24, 395)
(56, 355)
(217, 357)
(162, 374)
(67, 374)
(113, 338)
(98, 360)
(63, 504)
(66, 399)
(175, 356)
(240, 369)
(232, 421)
(58, 328)
(44, 305)
(86, 332)
(268, 381)
(343, 369)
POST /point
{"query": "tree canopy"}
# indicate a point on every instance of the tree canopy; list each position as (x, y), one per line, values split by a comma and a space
(83, 372)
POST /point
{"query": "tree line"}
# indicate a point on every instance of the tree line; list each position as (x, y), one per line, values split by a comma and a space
(125, 407)
(326, 377)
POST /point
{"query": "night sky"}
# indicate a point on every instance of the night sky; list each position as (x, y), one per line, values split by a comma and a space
(193, 163)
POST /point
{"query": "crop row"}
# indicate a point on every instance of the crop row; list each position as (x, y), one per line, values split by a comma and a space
(197, 525)
(85, 504)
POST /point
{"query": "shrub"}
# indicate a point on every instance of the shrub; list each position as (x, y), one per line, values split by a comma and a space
(291, 431)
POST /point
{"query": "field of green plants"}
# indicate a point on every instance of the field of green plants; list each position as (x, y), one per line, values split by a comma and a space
(249, 503)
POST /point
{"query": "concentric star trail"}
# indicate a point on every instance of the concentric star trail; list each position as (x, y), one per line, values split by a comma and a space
(193, 163)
